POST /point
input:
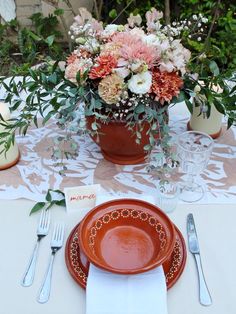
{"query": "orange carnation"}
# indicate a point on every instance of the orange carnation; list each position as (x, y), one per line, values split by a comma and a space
(105, 65)
(165, 85)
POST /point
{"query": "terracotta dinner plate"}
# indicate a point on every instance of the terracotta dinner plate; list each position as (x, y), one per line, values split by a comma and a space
(126, 236)
(78, 264)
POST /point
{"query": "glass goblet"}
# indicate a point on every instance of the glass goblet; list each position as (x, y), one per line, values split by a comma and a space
(193, 152)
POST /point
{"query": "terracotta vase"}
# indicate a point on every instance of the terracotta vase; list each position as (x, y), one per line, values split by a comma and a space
(211, 125)
(118, 144)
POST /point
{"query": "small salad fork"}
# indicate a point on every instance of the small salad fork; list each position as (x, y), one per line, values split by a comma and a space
(56, 244)
(42, 231)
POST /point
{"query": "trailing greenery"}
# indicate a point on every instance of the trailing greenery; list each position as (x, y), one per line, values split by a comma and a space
(50, 94)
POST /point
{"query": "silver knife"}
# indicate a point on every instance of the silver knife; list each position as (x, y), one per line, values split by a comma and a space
(204, 294)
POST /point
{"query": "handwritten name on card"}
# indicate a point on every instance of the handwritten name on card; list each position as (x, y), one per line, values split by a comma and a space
(81, 197)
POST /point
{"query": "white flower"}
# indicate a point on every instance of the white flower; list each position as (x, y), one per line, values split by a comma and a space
(137, 32)
(151, 40)
(204, 20)
(134, 20)
(199, 24)
(92, 45)
(110, 29)
(199, 39)
(140, 83)
(122, 72)
(166, 66)
(194, 17)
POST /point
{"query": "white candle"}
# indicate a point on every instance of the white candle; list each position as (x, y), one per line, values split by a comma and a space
(4, 111)
(12, 155)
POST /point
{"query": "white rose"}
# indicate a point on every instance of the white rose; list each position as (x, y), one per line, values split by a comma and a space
(140, 83)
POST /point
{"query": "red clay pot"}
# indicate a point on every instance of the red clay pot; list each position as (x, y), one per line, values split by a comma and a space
(118, 144)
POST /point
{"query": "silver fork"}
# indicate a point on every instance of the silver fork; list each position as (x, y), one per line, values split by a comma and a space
(42, 231)
(56, 244)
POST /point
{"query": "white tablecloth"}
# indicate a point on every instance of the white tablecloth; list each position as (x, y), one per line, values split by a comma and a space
(216, 232)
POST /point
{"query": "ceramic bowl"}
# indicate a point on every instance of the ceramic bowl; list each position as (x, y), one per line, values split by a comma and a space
(126, 236)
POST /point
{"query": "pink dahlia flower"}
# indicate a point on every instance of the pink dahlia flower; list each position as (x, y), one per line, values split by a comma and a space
(134, 49)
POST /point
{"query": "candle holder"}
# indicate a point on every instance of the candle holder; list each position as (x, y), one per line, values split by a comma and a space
(12, 156)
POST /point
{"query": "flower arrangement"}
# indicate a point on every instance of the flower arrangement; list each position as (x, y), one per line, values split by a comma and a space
(127, 73)
(127, 63)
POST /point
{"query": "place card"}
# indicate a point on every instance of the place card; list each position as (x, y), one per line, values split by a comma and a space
(81, 198)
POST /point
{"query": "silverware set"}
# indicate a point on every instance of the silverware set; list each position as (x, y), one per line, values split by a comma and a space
(56, 244)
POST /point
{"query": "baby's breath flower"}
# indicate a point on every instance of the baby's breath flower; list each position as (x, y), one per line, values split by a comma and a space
(204, 20)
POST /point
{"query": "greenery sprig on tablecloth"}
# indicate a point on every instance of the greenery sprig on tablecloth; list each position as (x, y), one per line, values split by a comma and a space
(49, 201)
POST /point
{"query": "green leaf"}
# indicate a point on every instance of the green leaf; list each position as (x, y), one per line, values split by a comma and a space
(61, 202)
(147, 147)
(113, 13)
(214, 68)
(140, 109)
(48, 196)
(94, 126)
(53, 78)
(49, 40)
(50, 204)
(59, 192)
(219, 107)
(37, 207)
(230, 123)
(189, 105)
(34, 36)
(48, 116)
(59, 12)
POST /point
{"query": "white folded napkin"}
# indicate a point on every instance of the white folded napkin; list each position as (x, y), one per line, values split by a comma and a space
(109, 293)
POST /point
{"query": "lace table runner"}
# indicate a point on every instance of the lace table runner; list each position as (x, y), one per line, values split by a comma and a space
(36, 172)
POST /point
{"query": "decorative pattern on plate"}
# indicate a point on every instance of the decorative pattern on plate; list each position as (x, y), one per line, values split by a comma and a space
(177, 257)
(127, 213)
(75, 259)
(173, 267)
